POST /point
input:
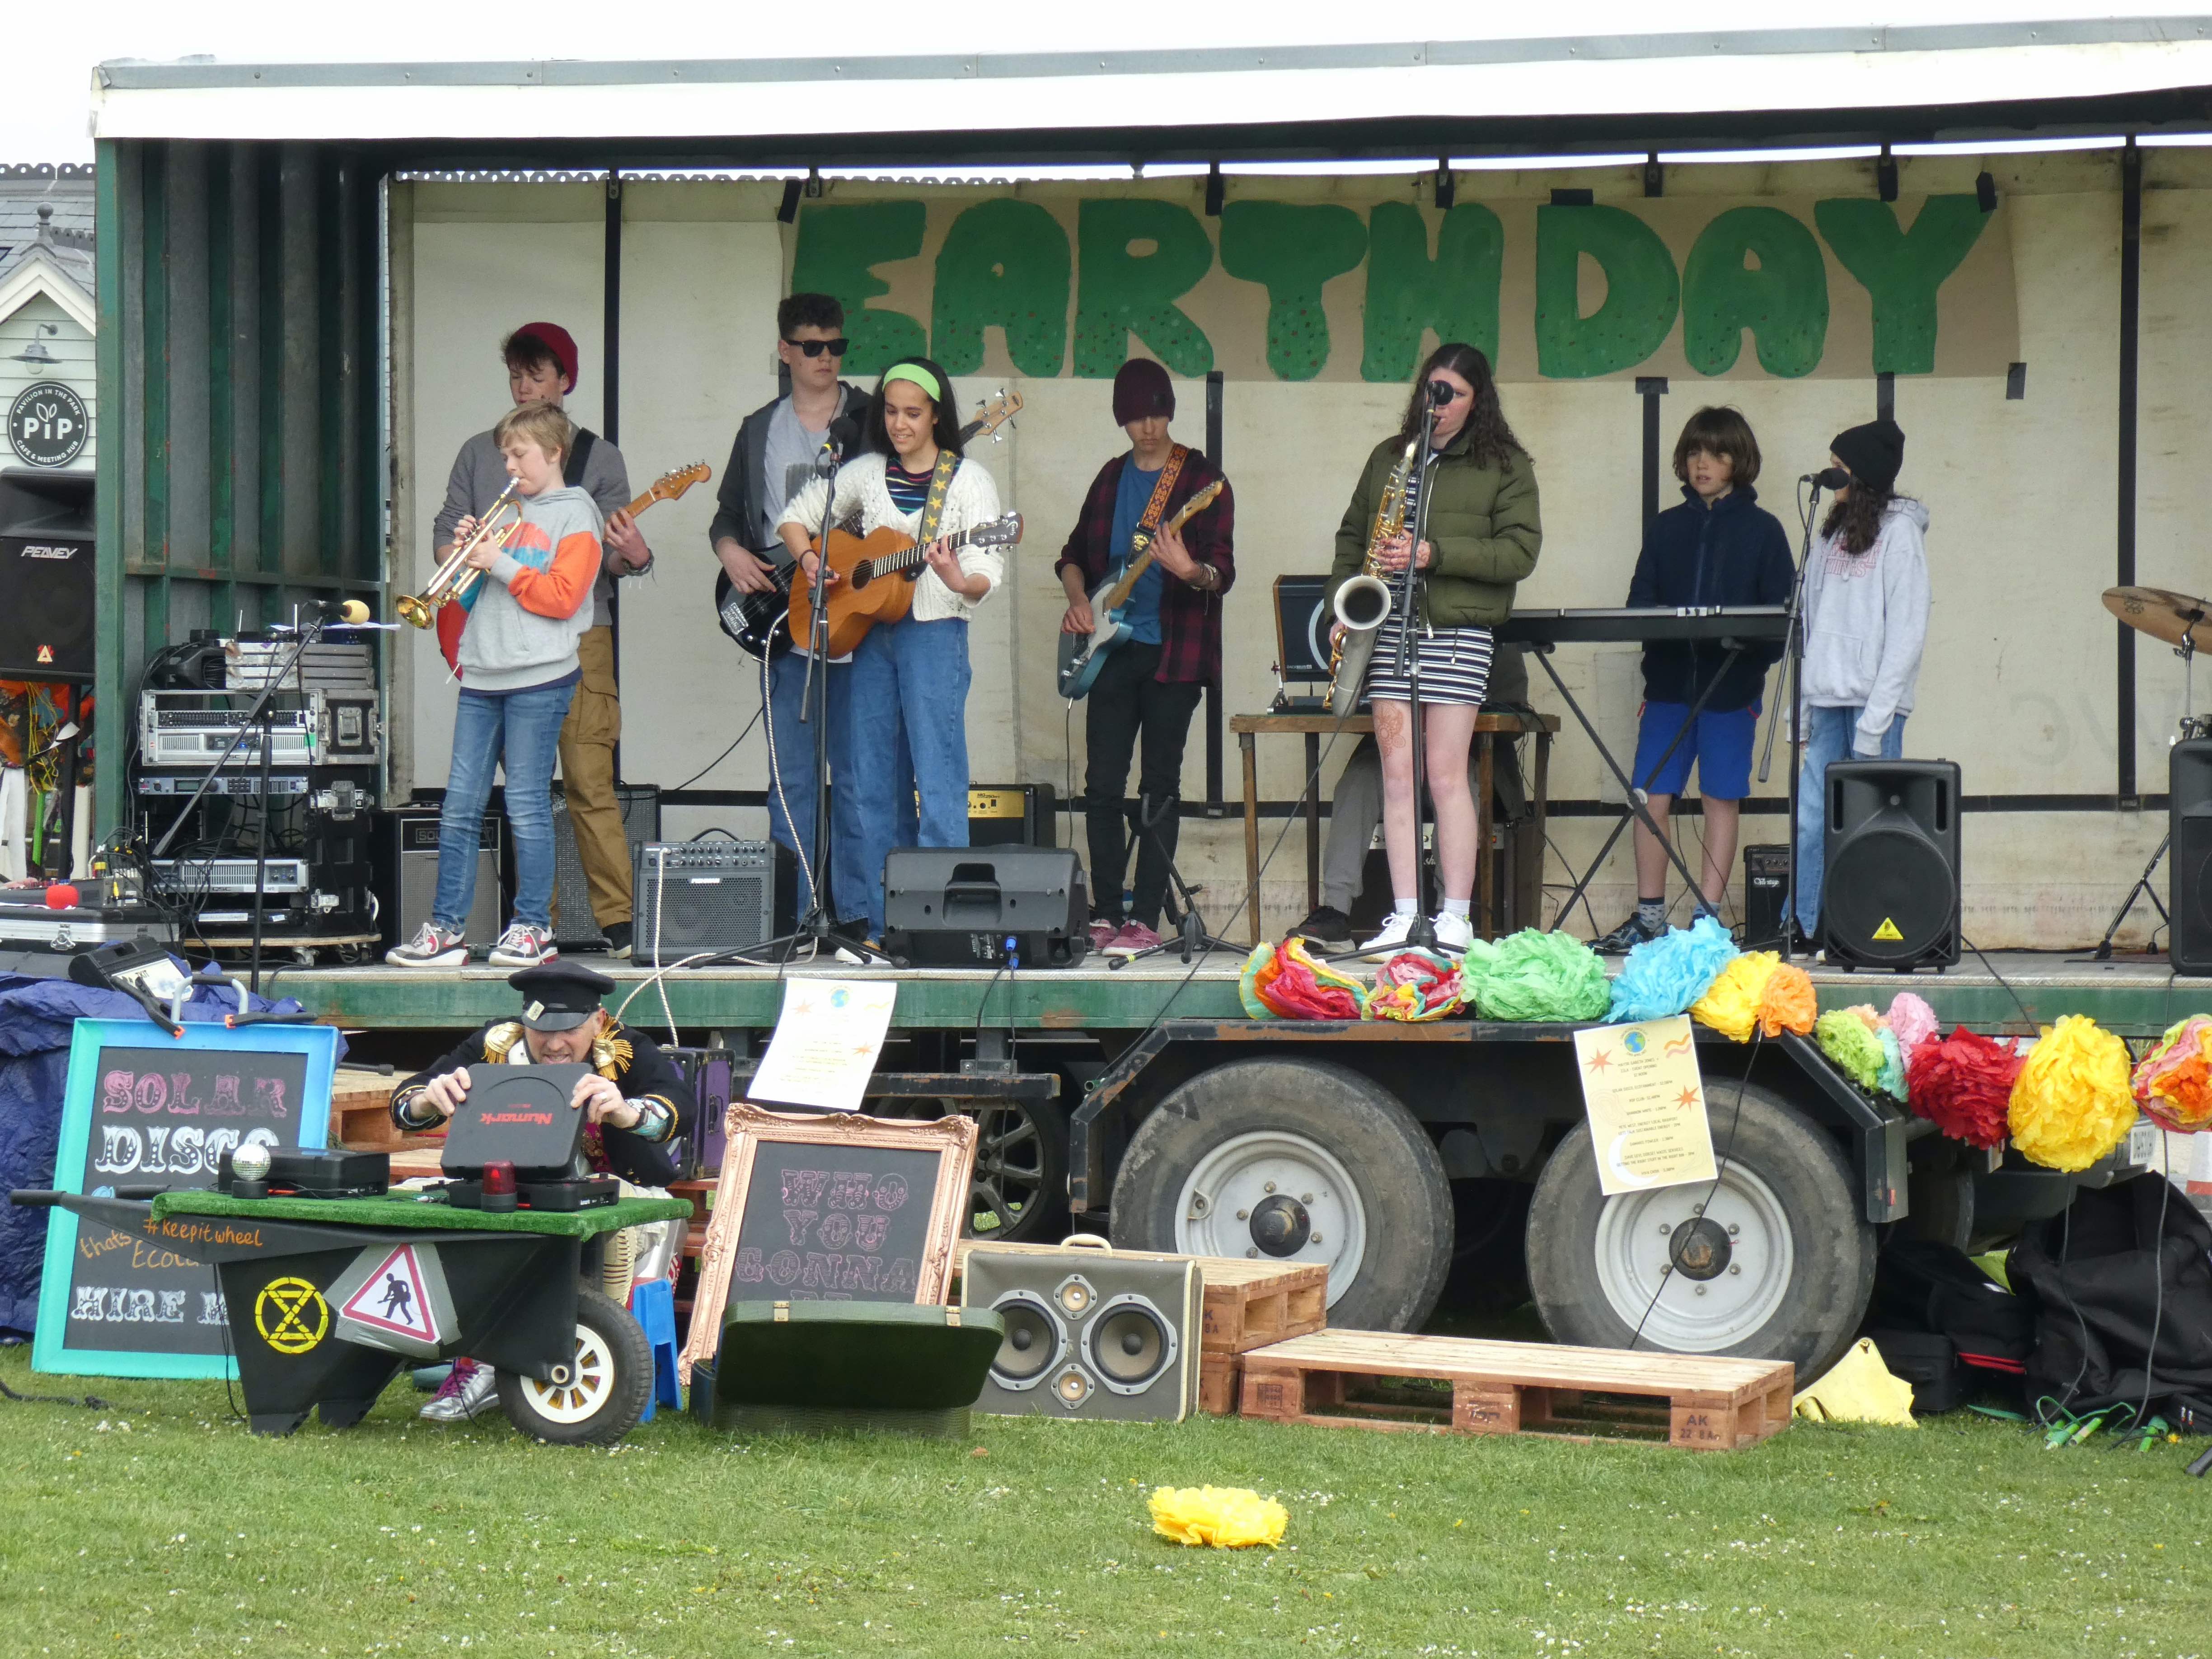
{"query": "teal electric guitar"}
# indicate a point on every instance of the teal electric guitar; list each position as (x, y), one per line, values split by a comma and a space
(1082, 656)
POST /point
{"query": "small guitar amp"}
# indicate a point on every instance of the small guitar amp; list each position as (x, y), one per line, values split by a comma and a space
(694, 897)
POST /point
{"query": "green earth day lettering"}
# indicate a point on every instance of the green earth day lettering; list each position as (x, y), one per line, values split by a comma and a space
(1007, 262)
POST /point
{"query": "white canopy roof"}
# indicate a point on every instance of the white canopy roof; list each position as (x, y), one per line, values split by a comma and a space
(1253, 91)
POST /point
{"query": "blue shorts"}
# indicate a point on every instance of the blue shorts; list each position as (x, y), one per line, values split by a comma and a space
(1721, 746)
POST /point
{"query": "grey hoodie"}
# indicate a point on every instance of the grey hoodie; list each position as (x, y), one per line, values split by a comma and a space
(536, 600)
(1866, 619)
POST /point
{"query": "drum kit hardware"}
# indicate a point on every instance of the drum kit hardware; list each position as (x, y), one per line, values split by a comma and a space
(2185, 624)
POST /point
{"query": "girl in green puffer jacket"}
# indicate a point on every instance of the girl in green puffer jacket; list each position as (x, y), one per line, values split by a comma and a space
(1482, 533)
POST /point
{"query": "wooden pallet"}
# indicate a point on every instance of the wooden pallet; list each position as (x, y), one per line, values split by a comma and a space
(1446, 1383)
(360, 1111)
(1219, 1377)
(1248, 1303)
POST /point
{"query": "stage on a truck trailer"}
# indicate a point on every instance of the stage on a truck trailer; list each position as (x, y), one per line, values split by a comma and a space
(2134, 997)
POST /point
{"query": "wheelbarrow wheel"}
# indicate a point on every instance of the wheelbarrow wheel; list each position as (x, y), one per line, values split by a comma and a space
(609, 1381)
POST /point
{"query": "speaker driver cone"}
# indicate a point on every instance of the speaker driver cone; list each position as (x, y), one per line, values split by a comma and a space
(1888, 894)
(1035, 1341)
(1131, 1344)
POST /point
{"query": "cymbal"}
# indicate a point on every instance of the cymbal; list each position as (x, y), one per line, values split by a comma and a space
(2174, 617)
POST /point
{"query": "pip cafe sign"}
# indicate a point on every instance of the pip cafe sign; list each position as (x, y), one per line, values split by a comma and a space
(48, 424)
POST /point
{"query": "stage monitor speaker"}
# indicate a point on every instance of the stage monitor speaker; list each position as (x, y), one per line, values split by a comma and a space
(403, 860)
(46, 570)
(700, 897)
(1765, 895)
(574, 926)
(2189, 774)
(1013, 815)
(959, 906)
(1088, 1334)
(1890, 898)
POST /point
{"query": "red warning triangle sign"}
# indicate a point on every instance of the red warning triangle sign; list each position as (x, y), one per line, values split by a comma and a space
(393, 1300)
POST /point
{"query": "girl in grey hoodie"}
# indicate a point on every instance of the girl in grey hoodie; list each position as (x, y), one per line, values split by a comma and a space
(1866, 620)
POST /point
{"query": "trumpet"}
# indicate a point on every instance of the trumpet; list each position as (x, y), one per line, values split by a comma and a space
(453, 578)
(1363, 603)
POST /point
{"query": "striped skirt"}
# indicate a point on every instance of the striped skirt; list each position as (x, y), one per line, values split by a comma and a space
(1455, 665)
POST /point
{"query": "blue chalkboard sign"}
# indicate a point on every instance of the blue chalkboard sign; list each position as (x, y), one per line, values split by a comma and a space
(143, 1109)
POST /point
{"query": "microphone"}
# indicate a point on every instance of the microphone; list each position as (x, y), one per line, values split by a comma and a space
(844, 434)
(1828, 478)
(339, 611)
(1441, 392)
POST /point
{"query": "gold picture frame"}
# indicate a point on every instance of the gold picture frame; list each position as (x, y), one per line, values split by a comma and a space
(747, 1126)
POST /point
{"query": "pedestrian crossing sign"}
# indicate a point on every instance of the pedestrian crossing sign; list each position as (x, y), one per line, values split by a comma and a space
(394, 1297)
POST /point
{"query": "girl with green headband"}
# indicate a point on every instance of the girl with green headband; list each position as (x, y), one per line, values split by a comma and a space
(909, 678)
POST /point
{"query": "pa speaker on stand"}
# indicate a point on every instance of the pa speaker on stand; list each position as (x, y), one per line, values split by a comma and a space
(1890, 894)
(2189, 832)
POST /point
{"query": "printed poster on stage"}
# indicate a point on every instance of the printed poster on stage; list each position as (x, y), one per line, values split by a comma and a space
(826, 1042)
(1646, 1102)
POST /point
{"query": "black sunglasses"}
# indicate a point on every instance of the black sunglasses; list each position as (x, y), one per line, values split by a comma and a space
(836, 348)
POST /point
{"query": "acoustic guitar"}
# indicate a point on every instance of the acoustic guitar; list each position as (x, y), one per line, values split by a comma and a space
(1082, 656)
(878, 571)
(758, 622)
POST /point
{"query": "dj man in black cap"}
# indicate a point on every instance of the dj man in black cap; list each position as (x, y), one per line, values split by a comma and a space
(634, 1102)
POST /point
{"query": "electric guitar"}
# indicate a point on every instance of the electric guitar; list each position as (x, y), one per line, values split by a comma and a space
(758, 622)
(878, 573)
(1082, 656)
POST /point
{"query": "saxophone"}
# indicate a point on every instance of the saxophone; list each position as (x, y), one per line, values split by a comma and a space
(1363, 603)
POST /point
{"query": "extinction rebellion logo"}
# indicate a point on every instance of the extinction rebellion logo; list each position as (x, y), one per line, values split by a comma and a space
(48, 424)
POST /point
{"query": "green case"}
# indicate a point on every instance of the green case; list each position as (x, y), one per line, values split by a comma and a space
(825, 1367)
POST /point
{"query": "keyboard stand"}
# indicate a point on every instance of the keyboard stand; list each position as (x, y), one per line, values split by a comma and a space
(1637, 810)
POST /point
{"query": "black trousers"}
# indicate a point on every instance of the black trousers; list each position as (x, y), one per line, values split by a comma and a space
(1127, 701)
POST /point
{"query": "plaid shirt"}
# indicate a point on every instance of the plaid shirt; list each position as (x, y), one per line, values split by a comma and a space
(1190, 622)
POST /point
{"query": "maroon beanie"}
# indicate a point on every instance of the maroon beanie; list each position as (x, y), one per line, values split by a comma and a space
(1141, 388)
(557, 340)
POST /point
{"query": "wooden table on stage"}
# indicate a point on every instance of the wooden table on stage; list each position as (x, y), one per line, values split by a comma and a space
(1314, 725)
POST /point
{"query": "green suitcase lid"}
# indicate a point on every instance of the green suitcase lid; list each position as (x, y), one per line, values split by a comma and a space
(874, 1355)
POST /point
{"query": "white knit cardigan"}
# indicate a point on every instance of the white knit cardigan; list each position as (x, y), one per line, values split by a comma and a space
(972, 499)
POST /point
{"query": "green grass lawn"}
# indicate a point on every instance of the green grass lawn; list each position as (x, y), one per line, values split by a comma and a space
(159, 1526)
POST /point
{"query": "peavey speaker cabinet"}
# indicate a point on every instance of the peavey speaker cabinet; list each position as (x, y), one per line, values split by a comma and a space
(2190, 771)
(1891, 896)
(1088, 1334)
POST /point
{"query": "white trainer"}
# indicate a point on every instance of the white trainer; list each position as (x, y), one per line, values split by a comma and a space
(1392, 939)
(523, 945)
(433, 947)
(1454, 933)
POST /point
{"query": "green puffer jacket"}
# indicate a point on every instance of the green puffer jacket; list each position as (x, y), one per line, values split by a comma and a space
(1483, 524)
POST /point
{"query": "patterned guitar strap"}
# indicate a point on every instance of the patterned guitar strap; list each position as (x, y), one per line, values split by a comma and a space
(1154, 509)
(932, 506)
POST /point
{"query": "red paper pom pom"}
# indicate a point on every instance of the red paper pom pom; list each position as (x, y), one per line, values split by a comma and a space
(1963, 1084)
(62, 895)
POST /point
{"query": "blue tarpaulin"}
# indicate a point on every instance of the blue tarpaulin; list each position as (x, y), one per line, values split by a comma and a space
(36, 1018)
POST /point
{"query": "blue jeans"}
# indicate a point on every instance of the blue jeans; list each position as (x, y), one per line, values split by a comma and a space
(1828, 737)
(794, 759)
(521, 730)
(909, 716)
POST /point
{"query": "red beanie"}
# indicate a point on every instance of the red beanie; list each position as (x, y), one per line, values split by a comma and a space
(1141, 388)
(557, 340)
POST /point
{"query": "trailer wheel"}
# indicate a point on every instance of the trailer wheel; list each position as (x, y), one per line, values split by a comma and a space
(608, 1383)
(1294, 1160)
(1779, 1264)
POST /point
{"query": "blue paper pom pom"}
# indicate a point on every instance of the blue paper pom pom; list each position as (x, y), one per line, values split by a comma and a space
(1664, 976)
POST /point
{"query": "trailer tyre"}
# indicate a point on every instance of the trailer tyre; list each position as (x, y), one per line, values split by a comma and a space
(1779, 1265)
(1323, 1163)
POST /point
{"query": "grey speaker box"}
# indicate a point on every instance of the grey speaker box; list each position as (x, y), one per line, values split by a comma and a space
(404, 853)
(1088, 1334)
(575, 927)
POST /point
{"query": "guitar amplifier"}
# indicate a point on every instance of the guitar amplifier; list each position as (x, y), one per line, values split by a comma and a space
(962, 907)
(694, 897)
(1013, 815)
(575, 927)
(403, 850)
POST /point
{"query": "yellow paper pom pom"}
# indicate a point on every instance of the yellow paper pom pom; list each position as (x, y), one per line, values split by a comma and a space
(1789, 1004)
(1731, 1006)
(2072, 1103)
(1227, 1517)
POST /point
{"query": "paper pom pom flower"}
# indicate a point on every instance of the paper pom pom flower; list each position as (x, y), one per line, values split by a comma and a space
(1866, 1015)
(1533, 974)
(1912, 1019)
(2174, 1084)
(1962, 1084)
(1855, 1050)
(1731, 1006)
(1415, 985)
(1226, 1518)
(1282, 981)
(1664, 976)
(2072, 1104)
(1789, 1004)
(1892, 1080)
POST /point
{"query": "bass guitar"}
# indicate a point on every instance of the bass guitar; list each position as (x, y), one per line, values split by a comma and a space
(1082, 656)
(878, 571)
(758, 622)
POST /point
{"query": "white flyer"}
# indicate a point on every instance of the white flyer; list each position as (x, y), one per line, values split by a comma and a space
(827, 1038)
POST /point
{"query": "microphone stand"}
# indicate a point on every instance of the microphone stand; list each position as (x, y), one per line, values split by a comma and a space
(1793, 673)
(1422, 935)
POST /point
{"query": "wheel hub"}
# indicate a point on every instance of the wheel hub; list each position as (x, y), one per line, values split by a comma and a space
(1280, 1225)
(1699, 1250)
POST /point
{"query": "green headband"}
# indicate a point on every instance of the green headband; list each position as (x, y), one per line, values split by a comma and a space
(920, 376)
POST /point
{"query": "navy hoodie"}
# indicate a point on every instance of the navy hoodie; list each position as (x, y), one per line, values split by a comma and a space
(1733, 552)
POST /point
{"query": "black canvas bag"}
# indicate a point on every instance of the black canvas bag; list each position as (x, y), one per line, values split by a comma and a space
(1938, 1290)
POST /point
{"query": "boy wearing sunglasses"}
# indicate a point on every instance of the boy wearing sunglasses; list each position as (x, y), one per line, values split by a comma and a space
(780, 447)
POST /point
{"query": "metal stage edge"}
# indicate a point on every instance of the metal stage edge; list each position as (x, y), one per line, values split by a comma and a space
(2138, 998)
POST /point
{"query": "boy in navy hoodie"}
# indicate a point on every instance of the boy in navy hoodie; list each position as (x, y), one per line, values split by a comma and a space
(1719, 547)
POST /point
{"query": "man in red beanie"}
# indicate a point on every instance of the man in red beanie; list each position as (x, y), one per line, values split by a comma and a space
(1151, 682)
(541, 366)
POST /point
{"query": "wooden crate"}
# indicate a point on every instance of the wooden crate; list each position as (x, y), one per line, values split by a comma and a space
(1248, 1303)
(1219, 1377)
(1516, 1388)
(360, 1111)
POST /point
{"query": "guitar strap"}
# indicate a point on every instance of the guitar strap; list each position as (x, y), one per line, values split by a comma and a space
(932, 506)
(1156, 509)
